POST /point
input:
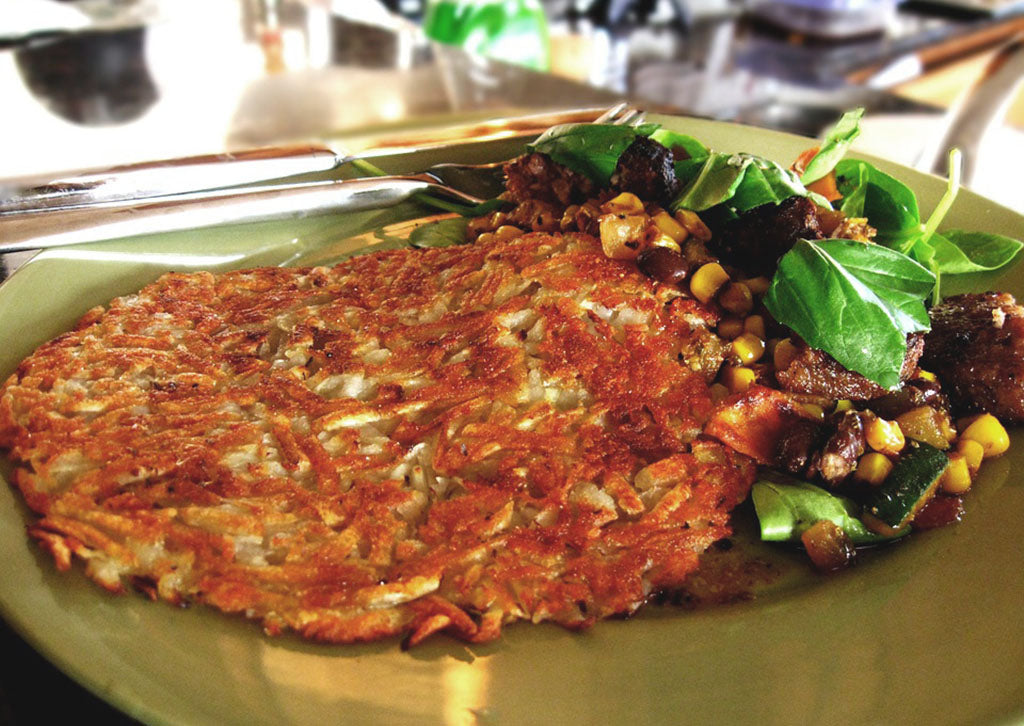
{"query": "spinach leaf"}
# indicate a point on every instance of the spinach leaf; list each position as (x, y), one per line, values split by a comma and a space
(766, 182)
(957, 253)
(737, 181)
(819, 200)
(786, 510)
(442, 233)
(856, 302)
(961, 252)
(906, 284)
(753, 190)
(892, 209)
(717, 181)
(784, 182)
(590, 149)
(688, 169)
(888, 203)
(672, 139)
(834, 147)
(948, 197)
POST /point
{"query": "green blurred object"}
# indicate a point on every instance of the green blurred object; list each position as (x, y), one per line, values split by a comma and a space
(513, 31)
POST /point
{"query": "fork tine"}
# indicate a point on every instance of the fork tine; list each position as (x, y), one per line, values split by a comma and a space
(628, 116)
(613, 112)
(638, 120)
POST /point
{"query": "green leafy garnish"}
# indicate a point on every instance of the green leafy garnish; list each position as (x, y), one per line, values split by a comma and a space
(891, 208)
(672, 140)
(688, 169)
(889, 204)
(590, 149)
(442, 233)
(716, 182)
(963, 253)
(857, 302)
(787, 510)
(834, 147)
(766, 182)
(739, 182)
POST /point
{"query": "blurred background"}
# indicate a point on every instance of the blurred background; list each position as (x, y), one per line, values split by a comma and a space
(89, 83)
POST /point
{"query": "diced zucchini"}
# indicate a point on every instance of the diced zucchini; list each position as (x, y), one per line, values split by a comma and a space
(908, 487)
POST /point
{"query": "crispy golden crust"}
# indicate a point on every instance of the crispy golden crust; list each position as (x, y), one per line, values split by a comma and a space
(413, 441)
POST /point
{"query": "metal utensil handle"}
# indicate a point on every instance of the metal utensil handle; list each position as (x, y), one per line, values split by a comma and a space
(164, 178)
(979, 109)
(92, 224)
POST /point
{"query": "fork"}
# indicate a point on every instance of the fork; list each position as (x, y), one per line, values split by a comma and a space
(489, 180)
(41, 228)
(218, 174)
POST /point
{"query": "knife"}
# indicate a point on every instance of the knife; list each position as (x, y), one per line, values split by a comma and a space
(164, 178)
(212, 172)
(93, 223)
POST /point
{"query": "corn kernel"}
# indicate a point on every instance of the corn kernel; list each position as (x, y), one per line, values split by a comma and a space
(843, 404)
(736, 298)
(506, 232)
(718, 392)
(814, 410)
(755, 324)
(873, 468)
(757, 285)
(957, 477)
(926, 375)
(738, 378)
(669, 226)
(707, 280)
(625, 203)
(988, 432)
(748, 348)
(885, 436)
(973, 452)
(621, 235)
(485, 238)
(693, 224)
(663, 240)
(730, 328)
(784, 354)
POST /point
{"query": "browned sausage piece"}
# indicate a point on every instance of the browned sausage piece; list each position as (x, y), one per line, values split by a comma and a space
(976, 348)
(757, 239)
(645, 169)
(537, 176)
(815, 371)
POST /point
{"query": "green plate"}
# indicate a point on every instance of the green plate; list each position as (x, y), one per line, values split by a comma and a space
(929, 631)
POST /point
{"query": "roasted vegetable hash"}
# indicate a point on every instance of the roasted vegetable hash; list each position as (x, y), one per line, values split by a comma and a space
(551, 421)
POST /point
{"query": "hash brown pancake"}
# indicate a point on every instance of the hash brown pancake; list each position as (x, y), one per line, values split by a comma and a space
(412, 441)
